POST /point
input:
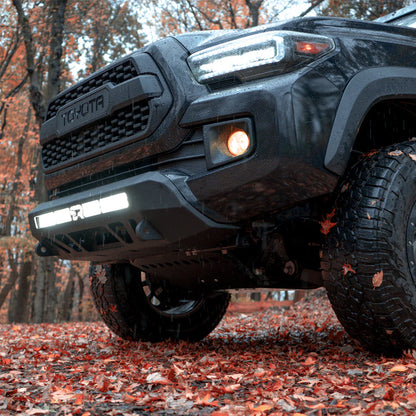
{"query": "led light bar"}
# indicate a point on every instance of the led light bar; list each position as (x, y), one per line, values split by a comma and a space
(82, 211)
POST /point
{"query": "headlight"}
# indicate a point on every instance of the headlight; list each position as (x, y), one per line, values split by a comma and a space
(258, 55)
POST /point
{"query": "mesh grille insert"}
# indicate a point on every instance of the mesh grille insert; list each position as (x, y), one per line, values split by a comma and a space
(116, 75)
(122, 124)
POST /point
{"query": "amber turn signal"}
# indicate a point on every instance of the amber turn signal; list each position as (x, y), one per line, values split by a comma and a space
(312, 48)
(238, 142)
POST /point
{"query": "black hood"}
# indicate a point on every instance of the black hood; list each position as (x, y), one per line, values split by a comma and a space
(196, 41)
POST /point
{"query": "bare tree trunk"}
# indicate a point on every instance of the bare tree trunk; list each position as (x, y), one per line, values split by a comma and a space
(57, 12)
(19, 161)
(40, 292)
(254, 10)
(256, 296)
(51, 299)
(45, 301)
(11, 280)
(68, 297)
(36, 96)
(299, 295)
(19, 305)
(80, 308)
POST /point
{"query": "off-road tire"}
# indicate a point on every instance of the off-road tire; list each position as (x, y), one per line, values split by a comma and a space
(369, 263)
(125, 308)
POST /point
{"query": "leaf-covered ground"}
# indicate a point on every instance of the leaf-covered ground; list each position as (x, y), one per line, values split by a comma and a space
(293, 362)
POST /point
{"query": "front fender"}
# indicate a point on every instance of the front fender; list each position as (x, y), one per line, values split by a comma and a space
(363, 91)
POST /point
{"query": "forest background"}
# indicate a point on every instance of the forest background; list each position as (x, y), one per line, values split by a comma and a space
(47, 45)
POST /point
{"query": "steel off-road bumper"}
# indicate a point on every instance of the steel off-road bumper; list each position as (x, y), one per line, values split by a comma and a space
(153, 217)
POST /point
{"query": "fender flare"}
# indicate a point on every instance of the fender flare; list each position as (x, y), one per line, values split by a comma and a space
(363, 91)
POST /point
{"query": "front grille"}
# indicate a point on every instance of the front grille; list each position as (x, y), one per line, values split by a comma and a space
(116, 75)
(189, 158)
(122, 124)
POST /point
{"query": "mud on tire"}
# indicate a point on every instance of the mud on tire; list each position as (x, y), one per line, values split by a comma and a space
(136, 309)
(369, 263)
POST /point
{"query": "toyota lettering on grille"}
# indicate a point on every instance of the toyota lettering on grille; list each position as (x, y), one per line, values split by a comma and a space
(87, 110)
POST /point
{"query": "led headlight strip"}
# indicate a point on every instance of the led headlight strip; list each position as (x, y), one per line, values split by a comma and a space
(251, 52)
(82, 211)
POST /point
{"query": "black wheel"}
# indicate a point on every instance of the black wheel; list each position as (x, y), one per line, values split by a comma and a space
(369, 262)
(140, 307)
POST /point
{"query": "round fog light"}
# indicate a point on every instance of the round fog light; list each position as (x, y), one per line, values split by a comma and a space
(238, 142)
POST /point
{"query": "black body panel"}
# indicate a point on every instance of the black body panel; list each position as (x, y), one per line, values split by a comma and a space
(140, 124)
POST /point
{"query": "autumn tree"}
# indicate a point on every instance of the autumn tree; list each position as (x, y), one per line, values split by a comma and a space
(361, 9)
(39, 45)
(189, 15)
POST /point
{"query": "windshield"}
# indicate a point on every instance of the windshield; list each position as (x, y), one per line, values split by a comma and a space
(409, 21)
(402, 17)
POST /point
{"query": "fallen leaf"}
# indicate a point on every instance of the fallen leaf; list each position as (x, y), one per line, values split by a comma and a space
(317, 406)
(389, 395)
(395, 153)
(412, 156)
(309, 361)
(157, 378)
(232, 388)
(327, 224)
(79, 399)
(101, 274)
(371, 153)
(263, 408)
(378, 279)
(398, 368)
(207, 401)
(346, 268)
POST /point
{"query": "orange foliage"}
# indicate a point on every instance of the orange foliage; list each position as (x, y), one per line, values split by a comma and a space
(189, 15)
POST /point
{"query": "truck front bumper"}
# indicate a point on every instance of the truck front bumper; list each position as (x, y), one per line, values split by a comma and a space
(138, 217)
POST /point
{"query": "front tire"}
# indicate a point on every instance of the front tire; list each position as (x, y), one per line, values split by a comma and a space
(142, 308)
(369, 266)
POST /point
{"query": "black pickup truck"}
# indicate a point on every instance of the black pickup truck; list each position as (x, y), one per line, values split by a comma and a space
(282, 156)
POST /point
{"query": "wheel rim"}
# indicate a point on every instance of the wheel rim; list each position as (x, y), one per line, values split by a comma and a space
(411, 243)
(162, 300)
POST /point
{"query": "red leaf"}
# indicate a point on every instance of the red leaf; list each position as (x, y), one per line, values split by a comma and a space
(378, 279)
(79, 399)
(326, 224)
(389, 395)
(205, 401)
(347, 268)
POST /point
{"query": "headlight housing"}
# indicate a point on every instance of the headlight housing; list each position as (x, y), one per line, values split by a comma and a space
(258, 55)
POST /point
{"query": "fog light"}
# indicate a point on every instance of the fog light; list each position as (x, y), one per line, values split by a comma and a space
(238, 143)
(228, 141)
